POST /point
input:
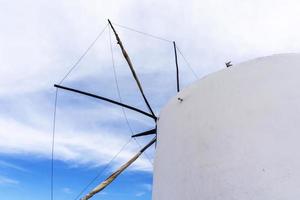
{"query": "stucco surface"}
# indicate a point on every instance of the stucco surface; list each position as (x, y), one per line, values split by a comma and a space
(235, 135)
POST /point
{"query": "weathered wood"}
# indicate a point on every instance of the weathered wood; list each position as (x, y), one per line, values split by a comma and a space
(113, 176)
(127, 58)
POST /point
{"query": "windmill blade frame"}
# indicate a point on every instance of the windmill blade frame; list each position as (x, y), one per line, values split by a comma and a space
(105, 99)
(128, 60)
(114, 175)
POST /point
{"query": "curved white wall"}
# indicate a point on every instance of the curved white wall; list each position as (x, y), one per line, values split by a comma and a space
(236, 135)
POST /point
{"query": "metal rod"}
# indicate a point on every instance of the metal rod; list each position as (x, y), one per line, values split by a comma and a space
(127, 58)
(114, 175)
(105, 99)
(148, 145)
(150, 132)
(177, 69)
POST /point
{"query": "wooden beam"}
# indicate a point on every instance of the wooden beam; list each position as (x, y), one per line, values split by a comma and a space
(127, 58)
(114, 175)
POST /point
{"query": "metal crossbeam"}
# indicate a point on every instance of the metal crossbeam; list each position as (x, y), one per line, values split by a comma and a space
(106, 99)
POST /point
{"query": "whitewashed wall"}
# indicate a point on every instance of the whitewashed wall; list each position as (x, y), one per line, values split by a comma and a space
(236, 135)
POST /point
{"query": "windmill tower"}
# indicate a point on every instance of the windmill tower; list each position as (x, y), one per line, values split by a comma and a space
(233, 135)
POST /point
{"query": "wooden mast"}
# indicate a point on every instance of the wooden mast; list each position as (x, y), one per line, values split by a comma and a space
(114, 175)
(127, 58)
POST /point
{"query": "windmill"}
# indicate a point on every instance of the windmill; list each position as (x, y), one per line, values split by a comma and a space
(148, 113)
(231, 135)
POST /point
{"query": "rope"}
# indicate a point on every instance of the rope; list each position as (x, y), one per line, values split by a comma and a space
(163, 39)
(107, 165)
(102, 170)
(53, 139)
(119, 95)
(117, 82)
(83, 55)
(188, 64)
(143, 33)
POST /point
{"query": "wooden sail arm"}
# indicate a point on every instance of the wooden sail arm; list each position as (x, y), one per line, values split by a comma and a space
(127, 58)
(113, 176)
(106, 99)
(149, 132)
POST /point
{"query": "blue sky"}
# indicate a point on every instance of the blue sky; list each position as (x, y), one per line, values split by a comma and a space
(40, 40)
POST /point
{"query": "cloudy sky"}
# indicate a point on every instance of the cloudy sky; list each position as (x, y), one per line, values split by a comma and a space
(41, 40)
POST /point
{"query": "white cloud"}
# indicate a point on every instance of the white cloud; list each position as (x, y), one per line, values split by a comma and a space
(41, 39)
(8, 181)
(145, 189)
(67, 190)
(5, 164)
(139, 194)
(148, 187)
(82, 148)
